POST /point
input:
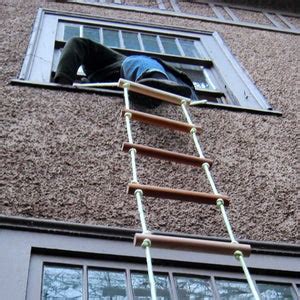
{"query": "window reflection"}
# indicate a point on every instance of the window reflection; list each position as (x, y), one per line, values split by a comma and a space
(150, 43)
(170, 46)
(141, 286)
(189, 48)
(233, 290)
(106, 285)
(91, 33)
(61, 283)
(70, 32)
(131, 40)
(270, 291)
(111, 38)
(193, 288)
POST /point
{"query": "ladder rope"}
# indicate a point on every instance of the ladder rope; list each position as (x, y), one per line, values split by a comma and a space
(220, 204)
(139, 197)
(139, 193)
(239, 256)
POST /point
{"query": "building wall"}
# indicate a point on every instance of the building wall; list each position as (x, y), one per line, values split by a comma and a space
(62, 150)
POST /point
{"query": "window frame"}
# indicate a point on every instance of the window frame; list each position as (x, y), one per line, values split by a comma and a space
(247, 98)
(216, 9)
(38, 261)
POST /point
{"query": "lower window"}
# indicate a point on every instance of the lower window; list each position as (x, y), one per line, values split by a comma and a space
(79, 279)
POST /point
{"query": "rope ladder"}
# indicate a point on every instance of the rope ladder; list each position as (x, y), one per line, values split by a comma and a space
(147, 240)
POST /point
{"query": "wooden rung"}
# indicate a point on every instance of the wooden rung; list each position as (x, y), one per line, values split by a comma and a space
(153, 92)
(160, 121)
(188, 244)
(167, 155)
(176, 194)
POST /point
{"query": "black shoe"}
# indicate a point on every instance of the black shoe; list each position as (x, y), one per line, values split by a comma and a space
(161, 84)
(63, 80)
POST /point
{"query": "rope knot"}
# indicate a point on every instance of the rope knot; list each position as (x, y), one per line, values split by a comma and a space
(146, 243)
(220, 202)
(237, 254)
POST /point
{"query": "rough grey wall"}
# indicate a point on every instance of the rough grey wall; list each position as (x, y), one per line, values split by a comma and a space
(61, 150)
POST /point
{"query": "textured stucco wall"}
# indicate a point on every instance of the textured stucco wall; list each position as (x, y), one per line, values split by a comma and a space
(61, 150)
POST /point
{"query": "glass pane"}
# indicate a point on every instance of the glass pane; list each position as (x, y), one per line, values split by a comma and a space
(106, 285)
(111, 38)
(56, 57)
(270, 291)
(150, 43)
(71, 31)
(170, 46)
(193, 288)
(131, 40)
(198, 79)
(189, 48)
(62, 283)
(91, 33)
(233, 290)
(141, 286)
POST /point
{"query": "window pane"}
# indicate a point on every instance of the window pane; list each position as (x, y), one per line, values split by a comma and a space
(131, 40)
(56, 57)
(189, 48)
(233, 290)
(111, 38)
(196, 74)
(91, 33)
(71, 31)
(150, 43)
(170, 46)
(270, 291)
(141, 286)
(106, 285)
(193, 288)
(62, 283)
(198, 79)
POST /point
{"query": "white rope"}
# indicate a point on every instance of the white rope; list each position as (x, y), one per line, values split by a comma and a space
(239, 256)
(147, 245)
(220, 203)
(107, 84)
(138, 195)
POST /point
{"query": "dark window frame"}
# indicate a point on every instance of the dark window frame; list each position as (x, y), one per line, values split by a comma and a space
(38, 261)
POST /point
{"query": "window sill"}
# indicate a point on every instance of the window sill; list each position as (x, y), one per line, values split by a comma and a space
(110, 92)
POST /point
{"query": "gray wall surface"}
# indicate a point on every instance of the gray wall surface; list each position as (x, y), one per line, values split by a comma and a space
(62, 157)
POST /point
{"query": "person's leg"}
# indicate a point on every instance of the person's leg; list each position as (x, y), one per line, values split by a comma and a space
(80, 51)
(148, 71)
(136, 67)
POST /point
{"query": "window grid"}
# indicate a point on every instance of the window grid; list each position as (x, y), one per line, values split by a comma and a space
(160, 45)
(213, 280)
(64, 26)
(179, 47)
(141, 41)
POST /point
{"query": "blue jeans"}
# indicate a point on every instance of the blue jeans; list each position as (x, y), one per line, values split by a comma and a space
(135, 66)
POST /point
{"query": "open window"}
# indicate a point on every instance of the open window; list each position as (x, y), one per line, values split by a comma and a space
(216, 74)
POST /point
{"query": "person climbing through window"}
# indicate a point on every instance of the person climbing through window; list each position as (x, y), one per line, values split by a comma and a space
(103, 64)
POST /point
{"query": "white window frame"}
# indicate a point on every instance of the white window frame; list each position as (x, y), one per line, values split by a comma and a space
(238, 89)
